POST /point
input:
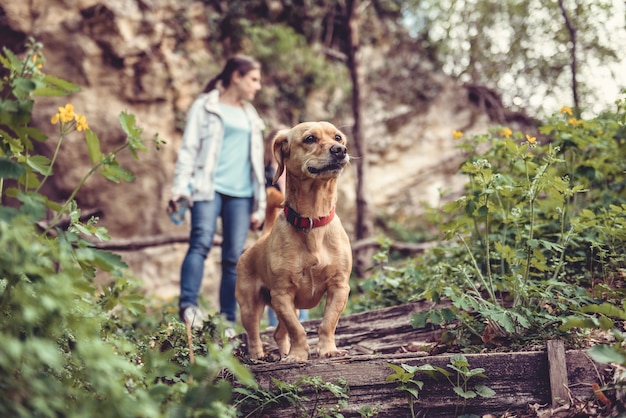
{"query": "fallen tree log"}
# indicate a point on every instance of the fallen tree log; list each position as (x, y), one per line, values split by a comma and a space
(138, 243)
(378, 338)
(519, 379)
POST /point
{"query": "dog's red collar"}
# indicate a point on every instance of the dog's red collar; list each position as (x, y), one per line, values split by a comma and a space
(304, 223)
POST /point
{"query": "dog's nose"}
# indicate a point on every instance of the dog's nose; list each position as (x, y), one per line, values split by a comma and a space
(339, 151)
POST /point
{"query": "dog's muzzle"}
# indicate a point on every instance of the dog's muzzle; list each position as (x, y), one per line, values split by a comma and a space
(338, 159)
(338, 151)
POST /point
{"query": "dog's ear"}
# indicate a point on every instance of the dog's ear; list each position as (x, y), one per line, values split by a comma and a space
(280, 148)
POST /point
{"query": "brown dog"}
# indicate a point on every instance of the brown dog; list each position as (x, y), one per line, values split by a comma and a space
(307, 253)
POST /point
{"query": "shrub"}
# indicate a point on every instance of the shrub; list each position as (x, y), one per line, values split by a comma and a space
(67, 348)
(537, 233)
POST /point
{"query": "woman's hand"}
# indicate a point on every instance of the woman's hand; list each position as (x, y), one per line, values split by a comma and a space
(173, 204)
(255, 224)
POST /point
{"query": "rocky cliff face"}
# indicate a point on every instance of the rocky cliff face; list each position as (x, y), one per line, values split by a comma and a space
(151, 57)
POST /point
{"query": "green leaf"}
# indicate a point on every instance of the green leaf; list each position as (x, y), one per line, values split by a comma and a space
(10, 169)
(419, 320)
(12, 59)
(30, 132)
(453, 206)
(33, 205)
(135, 303)
(551, 245)
(605, 309)
(106, 260)
(413, 391)
(127, 121)
(607, 354)
(504, 320)
(54, 86)
(578, 322)
(459, 361)
(24, 85)
(470, 208)
(484, 391)
(605, 323)
(399, 375)
(81, 228)
(115, 173)
(93, 146)
(39, 163)
(464, 394)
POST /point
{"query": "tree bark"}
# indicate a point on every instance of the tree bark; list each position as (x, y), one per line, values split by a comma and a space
(363, 224)
(574, 62)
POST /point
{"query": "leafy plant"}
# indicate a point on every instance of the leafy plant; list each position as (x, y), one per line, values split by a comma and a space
(461, 385)
(69, 348)
(405, 376)
(460, 380)
(255, 401)
(537, 236)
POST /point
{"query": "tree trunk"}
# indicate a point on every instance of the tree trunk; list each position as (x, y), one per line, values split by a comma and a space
(363, 224)
(574, 62)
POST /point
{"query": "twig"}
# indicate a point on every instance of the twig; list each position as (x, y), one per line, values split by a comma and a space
(192, 358)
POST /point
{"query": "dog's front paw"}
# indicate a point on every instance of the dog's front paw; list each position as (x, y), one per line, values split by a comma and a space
(256, 355)
(296, 355)
(294, 359)
(334, 353)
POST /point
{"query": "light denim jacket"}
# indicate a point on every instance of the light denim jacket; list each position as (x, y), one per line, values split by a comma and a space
(199, 153)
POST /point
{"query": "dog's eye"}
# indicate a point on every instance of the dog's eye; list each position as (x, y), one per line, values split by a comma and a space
(310, 139)
(338, 138)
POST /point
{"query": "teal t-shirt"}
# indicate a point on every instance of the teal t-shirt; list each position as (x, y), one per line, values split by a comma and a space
(233, 171)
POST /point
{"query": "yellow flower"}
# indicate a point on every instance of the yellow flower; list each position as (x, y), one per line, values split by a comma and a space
(81, 123)
(457, 135)
(66, 113)
(531, 139)
(574, 122)
(505, 132)
(567, 109)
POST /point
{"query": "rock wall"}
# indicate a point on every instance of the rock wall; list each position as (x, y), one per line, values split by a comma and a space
(151, 57)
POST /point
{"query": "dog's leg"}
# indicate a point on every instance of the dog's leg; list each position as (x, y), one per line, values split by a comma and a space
(282, 339)
(251, 313)
(336, 298)
(289, 325)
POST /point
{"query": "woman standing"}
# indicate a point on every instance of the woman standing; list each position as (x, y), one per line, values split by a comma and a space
(220, 173)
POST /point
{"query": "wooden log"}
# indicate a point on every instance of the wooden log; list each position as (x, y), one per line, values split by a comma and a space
(519, 379)
(377, 338)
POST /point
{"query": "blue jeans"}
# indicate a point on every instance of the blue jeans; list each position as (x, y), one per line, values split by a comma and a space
(235, 213)
(273, 321)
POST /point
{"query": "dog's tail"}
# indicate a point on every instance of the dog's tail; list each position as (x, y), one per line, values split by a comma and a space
(275, 202)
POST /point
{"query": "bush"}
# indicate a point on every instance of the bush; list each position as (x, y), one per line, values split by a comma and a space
(537, 237)
(69, 349)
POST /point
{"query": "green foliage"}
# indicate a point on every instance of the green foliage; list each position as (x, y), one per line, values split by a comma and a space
(522, 47)
(255, 401)
(68, 347)
(536, 241)
(291, 48)
(297, 68)
(459, 380)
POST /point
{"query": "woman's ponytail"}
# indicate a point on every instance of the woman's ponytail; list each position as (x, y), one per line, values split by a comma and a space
(242, 64)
